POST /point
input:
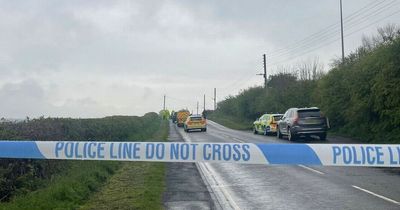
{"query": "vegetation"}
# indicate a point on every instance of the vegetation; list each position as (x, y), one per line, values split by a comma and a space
(49, 184)
(137, 185)
(164, 114)
(360, 97)
(230, 121)
(67, 190)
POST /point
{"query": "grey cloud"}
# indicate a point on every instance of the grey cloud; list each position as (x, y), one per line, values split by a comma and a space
(28, 98)
(149, 48)
(22, 99)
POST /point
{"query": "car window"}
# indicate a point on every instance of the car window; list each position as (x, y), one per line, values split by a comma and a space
(290, 114)
(286, 114)
(277, 118)
(195, 118)
(309, 113)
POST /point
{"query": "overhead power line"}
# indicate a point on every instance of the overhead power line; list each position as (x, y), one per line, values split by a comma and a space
(326, 39)
(327, 29)
(348, 24)
(330, 41)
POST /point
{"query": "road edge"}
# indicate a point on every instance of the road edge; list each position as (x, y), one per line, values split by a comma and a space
(215, 202)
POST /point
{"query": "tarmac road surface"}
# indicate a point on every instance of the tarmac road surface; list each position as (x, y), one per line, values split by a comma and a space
(240, 186)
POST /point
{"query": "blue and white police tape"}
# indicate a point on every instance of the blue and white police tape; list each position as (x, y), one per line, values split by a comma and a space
(377, 155)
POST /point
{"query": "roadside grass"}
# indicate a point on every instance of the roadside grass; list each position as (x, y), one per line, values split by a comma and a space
(85, 183)
(137, 185)
(231, 122)
(69, 189)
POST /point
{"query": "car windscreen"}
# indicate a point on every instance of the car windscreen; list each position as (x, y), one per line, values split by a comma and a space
(309, 113)
(277, 118)
(195, 118)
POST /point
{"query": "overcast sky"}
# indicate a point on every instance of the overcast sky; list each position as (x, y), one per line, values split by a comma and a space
(99, 58)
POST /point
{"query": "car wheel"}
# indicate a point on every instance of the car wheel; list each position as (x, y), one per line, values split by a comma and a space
(278, 133)
(205, 129)
(291, 136)
(255, 130)
(322, 137)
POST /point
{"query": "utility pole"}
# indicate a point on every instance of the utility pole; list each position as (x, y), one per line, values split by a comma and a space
(341, 29)
(204, 102)
(265, 71)
(197, 108)
(215, 98)
(164, 103)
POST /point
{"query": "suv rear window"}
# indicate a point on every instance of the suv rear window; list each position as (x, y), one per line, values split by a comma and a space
(277, 118)
(195, 118)
(309, 113)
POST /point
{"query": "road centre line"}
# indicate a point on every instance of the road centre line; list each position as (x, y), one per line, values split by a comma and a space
(311, 169)
(376, 195)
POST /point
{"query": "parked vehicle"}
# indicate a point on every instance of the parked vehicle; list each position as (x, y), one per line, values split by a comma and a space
(195, 122)
(297, 122)
(181, 117)
(266, 124)
(174, 117)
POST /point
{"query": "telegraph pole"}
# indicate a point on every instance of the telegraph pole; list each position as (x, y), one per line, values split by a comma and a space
(204, 102)
(265, 71)
(164, 103)
(215, 98)
(197, 107)
(341, 29)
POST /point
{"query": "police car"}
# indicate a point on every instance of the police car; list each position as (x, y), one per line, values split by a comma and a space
(195, 122)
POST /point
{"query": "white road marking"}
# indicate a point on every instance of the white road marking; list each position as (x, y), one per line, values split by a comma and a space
(377, 195)
(213, 180)
(218, 182)
(311, 169)
(237, 139)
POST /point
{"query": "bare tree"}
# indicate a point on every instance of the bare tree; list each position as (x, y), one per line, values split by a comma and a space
(388, 33)
(367, 43)
(310, 70)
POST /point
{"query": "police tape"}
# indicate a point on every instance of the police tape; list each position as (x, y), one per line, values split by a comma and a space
(376, 155)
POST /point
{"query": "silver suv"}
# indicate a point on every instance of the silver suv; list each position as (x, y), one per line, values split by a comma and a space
(297, 122)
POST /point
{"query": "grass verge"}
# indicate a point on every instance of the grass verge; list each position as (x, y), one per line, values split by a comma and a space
(231, 122)
(137, 185)
(67, 190)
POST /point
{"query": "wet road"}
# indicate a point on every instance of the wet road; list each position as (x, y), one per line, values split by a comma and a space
(237, 186)
(185, 188)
